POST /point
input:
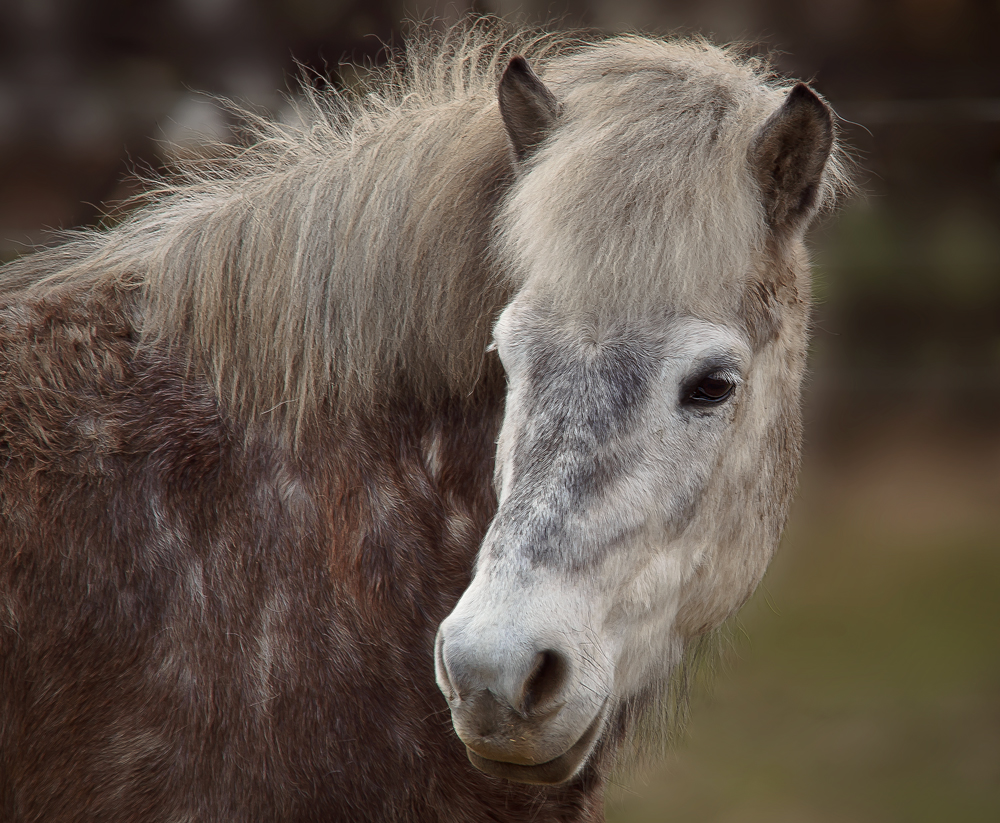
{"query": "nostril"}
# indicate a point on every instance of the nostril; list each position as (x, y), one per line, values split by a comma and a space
(545, 682)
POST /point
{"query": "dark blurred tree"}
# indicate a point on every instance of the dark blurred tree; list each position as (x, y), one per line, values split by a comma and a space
(909, 278)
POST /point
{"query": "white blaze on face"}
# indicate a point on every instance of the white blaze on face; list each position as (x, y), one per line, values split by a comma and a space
(611, 434)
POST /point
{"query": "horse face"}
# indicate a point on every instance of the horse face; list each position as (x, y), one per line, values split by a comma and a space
(612, 435)
(646, 456)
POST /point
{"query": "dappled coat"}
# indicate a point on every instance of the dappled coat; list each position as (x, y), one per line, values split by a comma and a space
(248, 439)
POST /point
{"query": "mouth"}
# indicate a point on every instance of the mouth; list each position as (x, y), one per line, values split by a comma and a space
(551, 773)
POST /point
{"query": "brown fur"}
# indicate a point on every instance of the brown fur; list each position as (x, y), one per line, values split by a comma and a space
(242, 486)
(196, 627)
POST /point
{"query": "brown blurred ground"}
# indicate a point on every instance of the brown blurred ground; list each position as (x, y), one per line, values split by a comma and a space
(863, 682)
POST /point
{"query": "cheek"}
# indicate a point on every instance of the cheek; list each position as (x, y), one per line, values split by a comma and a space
(651, 589)
(684, 455)
(638, 630)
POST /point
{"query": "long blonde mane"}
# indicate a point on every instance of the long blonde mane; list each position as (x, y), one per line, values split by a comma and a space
(353, 250)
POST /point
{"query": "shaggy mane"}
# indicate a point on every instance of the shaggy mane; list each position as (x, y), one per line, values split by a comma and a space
(353, 253)
(328, 258)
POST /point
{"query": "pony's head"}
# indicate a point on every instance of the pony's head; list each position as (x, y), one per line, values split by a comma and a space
(654, 352)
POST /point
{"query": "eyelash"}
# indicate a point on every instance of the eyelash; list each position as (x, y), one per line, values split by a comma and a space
(711, 388)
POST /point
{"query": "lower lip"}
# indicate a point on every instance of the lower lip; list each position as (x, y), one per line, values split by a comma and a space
(551, 773)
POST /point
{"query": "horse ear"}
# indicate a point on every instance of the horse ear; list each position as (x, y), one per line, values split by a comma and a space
(789, 156)
(528, 108)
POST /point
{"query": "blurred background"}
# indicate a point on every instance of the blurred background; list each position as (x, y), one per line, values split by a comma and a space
(862, 682)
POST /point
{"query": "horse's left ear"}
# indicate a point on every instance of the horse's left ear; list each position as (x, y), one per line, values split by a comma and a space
(528, 108)
(789, 156)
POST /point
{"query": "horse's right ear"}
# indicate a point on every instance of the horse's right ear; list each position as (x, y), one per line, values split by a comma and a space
(789, 156)
(528, 108)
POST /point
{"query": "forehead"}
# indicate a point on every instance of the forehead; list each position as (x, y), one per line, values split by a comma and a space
(534, 337)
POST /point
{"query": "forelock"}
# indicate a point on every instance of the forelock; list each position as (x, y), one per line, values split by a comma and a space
(644, 191)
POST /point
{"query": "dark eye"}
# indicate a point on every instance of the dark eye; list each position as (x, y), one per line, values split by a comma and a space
(714, 387)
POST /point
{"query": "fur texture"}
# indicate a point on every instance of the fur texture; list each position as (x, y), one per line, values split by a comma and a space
(248, 435)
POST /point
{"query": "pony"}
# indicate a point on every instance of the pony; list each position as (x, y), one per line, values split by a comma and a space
(387, 467)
